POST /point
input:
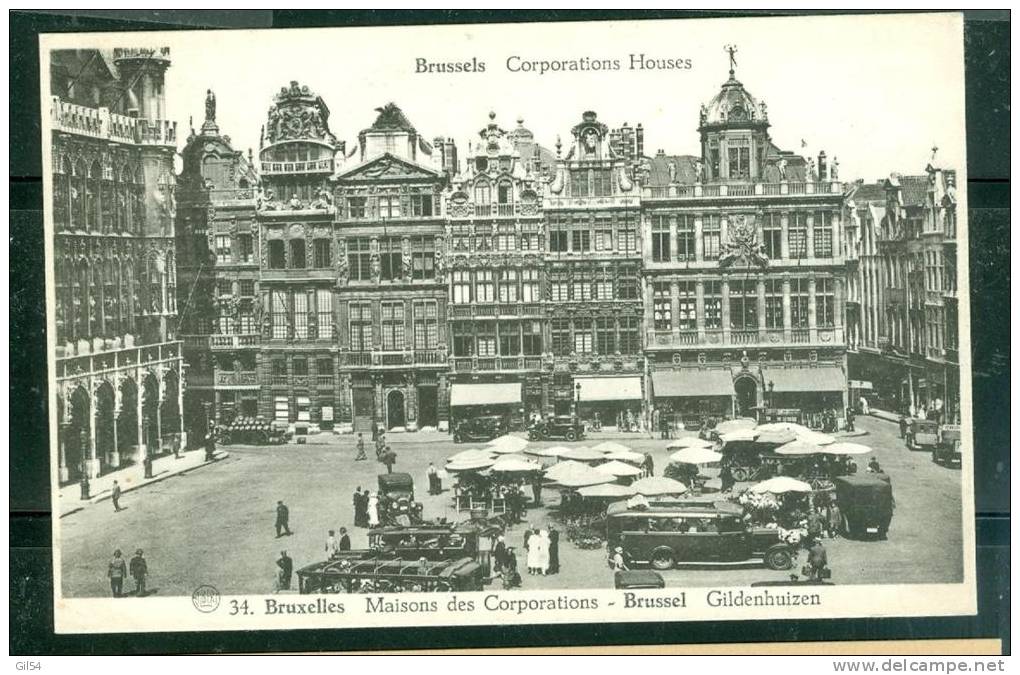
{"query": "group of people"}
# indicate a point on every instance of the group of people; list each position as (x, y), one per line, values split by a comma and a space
(119, 570)
(366, 508)
(543, 550)
(336, 545)
(504, 563)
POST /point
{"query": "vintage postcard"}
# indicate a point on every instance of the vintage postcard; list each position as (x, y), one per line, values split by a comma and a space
(657, 320)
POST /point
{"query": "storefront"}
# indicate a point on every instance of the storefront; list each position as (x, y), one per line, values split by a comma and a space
(693, 395)
(813, 391)
(609, 398)
(494, 398)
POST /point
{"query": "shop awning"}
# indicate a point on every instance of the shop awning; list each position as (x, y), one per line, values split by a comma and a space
(668, 383)
(485, 394)
(825, 378)
(609, 388)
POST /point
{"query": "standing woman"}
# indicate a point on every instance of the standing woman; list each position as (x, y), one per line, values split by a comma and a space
(373, 510)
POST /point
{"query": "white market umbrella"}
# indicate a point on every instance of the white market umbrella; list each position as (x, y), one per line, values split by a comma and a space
(555, 451)
(583, 454)
(780, 485)
(739, 424)
(470, 455)
(658, 485)
(816, 437)
(689, 442)
(615, 468)
(507, 444)
(626, 456)
(774, 437)
(738, 435)
(515, 465)
(609, 447)
(583, 477)
(792, 427)
(469, 465)
(696, 456)
(845, 448)
(562, 469)
(799, 447)
(606, 491)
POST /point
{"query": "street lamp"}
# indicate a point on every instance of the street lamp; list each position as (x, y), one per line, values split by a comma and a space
(772, 390)
(83, 440)
(577, 404)
(209, 442)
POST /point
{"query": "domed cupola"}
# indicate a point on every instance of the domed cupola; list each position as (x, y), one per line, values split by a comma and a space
(734, 132)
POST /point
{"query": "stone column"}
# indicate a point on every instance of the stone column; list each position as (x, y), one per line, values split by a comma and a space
(837, 239)
(787, 314)
(380, 403)
(699, 307)
(180, 406)
(725, 288)
(92, 465)
(761, 307)
(724, 228)
(699, 245)
(411, 402)
(838, 309)
(140, 445)
(64, 473)
(672, 237)
(812, 312)
(784, 223)
(811, 235)
(674, 295)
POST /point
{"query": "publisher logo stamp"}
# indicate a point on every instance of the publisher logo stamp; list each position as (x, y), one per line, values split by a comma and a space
(206, 598)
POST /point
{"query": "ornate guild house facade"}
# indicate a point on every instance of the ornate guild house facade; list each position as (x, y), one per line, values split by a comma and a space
(119, 366)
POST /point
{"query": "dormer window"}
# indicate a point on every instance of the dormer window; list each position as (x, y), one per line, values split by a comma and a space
(738, 112)
(483, 193)
(739, 158)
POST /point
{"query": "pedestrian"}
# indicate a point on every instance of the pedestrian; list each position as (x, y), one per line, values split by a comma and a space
(815, 526)
(817, 561)
(511, 577)
(499, 554)
(433, 475)
(380, 445)
(210, 447)
(282, 519)
(536, 488)
(849, 418)
(116, 496)
(375, 431)
(616, 560)
(903, 427)
(356, 500)
(139, 570)
(535, 553)
(835, 517)
(286, 566)
(389, 458)
(116, 572)
(331, 545)
(361, 448)
(554, 550)
(648, 465)
(874, 466)
(373, 509)
(865, 407)
(345, 541)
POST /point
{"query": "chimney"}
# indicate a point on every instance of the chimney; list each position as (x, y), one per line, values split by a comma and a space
(450, 163)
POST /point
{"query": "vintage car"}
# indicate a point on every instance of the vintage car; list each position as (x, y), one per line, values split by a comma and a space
(865, 503)
(370, 572)
(665, 537)
(565, 427)
(252, 431)
(922, 434)
(480, 429)
(637, 579)
(436, 542)
(947, 450)
(396, 500)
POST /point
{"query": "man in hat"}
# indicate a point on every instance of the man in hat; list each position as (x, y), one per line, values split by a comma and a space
(817, 560)
(282, 519)
(116, 496)
(116, 572)
(361, 448)
(286, 566)
(345, 541)
(139, 570)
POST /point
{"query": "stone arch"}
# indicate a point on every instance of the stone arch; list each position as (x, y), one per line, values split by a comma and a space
(127, 419)
(80, 299)
(106, 419)
(150, 422)
(170, 411)
(78, 432)
(396, 415)
(747, 394)
(93, 215)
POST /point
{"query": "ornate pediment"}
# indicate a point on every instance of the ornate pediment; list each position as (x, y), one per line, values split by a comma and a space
(388, 167)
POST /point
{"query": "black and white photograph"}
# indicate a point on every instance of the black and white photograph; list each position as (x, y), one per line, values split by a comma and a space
(614, 321)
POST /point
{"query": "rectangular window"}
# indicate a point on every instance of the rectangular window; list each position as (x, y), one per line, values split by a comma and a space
(300, 315)
(509, 338)
(323, 253)
(277, 257)
(324, 313)
(484, 288)
(506, 237)
(581, 240)
(532, 342)
(246, 248)
(711, 234)
(630, 335)
(463, 339)
(222, 242)
(461, 237)
(627, 287)
(604, 237)
(604, 284)
(605, 335)
(324, 366)
(583, 342)
(361, 326)
(560, 331)
(581, 286)
(579, 183)
(224, 289)
(530, 286)
(558, 242)
(559, 287)
(685, 238)
(772, 235)
(660, 239)
(423, 258)
(774, 303)
(359, 258)
(743, 304)
(426, 325)
(391, 258)
(485, 339)
(278, 310)
(688, 319)
(713, 304)
(389, 206)
(823, 235)
(356, 207)
(628, 240)
(739, 158)
(298, 259)
(461, 287)
(797, 234)
(662, 306)
(421, 205)
(825, 302)
(799, 301)
(483, 237)
(300, 366)
(508, 285)
(392, 326)
(531, 241)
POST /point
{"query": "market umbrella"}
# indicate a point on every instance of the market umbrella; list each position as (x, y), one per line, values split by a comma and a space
(775, 437)
(799, 447)
(689, 442)
(615, 468)
(507, 444)
(738, 424)
(696, 456)
(555, 451)
(845, 448)
(815, 437)
(469, 465)
(658, 485)
(513, 465)
(470, 455)
(606, 491)
(583, 476)
(609, 447)
(562, 469)
(738, 435)
(583, 454)
(782, 426)
(626, 456)
(781, 484)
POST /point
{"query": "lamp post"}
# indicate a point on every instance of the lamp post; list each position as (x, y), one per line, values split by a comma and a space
(772, 389)
(210, 444)
(83, 441)
(577, 400)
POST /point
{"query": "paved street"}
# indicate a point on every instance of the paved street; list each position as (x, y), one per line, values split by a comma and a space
(214, 525)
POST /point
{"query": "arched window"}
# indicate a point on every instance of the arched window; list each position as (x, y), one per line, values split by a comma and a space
(171, 283)
(93, 201)
(111, 314)
(505, 192)
(62, 273)
(61, 196)
(128, 304)
(107, 201)
(78, 206)
(297, 254)
(137, 202)
(123, 188)
(483, 193)
(81, 300)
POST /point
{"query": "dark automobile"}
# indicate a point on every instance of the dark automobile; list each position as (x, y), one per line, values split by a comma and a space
(922, 434)
(369, 572)
(947, 450)
(396, 499)
(436, 542)
(866, 504)
(634, 579)
(480, 429)
(706, 535)
(565, 427)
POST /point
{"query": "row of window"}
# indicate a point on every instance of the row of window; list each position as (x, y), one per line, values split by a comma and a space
(681, 228)
(492, 338)
(503, 237)
(602, 335)
(389, 206)
(743, 304)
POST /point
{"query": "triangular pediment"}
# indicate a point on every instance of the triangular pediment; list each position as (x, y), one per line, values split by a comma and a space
(388, 167)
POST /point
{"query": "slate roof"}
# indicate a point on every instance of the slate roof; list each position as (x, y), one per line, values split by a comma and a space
(914, 190)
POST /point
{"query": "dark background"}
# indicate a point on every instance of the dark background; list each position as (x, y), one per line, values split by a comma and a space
(987, 49)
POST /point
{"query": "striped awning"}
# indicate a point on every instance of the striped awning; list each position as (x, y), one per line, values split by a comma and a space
(691, 382)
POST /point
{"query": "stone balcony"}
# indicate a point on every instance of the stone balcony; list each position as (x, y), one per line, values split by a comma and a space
(230, 379)
(311, 166)
(495, 310)
(102, 123)
(116, 358)
(393, 359)
(486, 364)
(237, 341)
(743, 339)
(740, 190)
